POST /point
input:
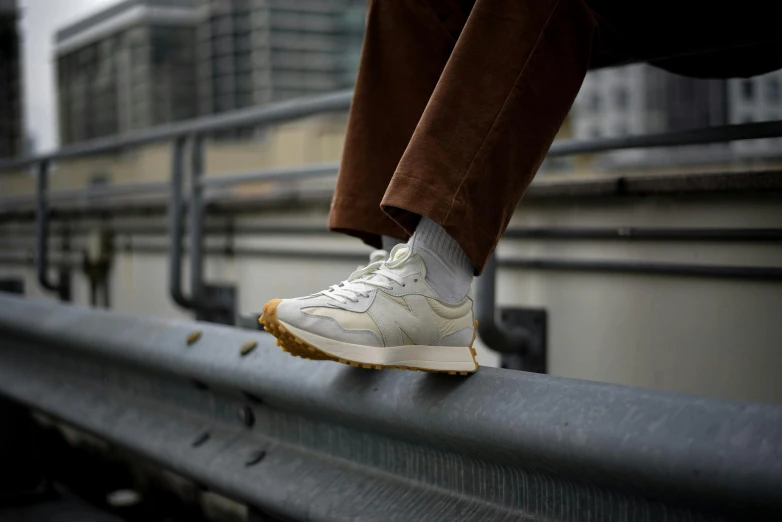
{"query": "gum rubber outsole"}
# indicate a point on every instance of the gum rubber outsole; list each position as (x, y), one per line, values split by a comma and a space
(301, 348)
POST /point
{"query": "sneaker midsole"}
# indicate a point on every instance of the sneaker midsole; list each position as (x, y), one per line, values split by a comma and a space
(450, 358)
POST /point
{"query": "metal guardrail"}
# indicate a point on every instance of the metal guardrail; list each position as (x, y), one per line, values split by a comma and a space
(309, 440)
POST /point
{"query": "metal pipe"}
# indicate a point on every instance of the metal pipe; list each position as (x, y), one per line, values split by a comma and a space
(158, 187)
(26, 258)
(712, 235)
(274, 174)
(196, 211)
(42, 228)
(492, 332)
(739, 272)
(265, 252)
(742, 272)
(717, 134)
(750, 182)
(261, 115)
(91, 194)
(175, 229)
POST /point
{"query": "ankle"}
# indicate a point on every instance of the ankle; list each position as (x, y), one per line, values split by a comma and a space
(449, 271)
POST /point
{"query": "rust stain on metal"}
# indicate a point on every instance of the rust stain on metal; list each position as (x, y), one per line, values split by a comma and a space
(248, 347)
(193, 337)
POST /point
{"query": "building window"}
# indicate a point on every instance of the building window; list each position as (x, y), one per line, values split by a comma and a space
(747, 89)
(773, 90)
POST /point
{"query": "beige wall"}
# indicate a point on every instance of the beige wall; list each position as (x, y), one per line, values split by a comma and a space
(707, 336)
(311, 140)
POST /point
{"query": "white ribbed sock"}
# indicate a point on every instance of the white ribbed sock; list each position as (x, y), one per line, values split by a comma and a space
(390, 242)
(448, 269)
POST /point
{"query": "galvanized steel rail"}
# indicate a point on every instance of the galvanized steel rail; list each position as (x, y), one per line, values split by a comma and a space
(311, 440)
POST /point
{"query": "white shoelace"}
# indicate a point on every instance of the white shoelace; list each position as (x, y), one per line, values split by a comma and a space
(379, 275)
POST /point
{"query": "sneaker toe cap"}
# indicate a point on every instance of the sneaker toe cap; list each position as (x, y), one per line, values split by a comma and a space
(289, 310)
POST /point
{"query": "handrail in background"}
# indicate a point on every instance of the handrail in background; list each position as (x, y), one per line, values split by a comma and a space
(226, 121)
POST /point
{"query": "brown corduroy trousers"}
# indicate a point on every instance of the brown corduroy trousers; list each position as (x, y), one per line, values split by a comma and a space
(454, 112)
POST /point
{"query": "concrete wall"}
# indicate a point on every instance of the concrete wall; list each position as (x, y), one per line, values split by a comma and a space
(707, 336)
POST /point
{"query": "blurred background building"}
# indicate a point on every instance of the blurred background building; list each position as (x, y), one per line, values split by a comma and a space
(141, 63)
(11, 130)
(253, 52)
(128, 67)
(642, 99)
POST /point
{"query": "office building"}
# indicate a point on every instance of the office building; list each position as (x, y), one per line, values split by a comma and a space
(253, 52)
(128, 67)
(141, 63)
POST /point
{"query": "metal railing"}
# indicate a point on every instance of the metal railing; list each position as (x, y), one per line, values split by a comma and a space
(187, 137)
(311, 440)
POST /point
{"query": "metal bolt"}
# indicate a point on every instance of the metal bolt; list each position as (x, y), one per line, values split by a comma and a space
(248, 347)
(193, 337)
(247, 416)
(255, 458)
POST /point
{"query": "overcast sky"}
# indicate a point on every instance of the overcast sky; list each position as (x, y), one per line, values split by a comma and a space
(39, 21)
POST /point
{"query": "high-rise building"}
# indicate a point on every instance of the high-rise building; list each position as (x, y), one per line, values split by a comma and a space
(127, 67)
(253, 52)
(145, 62)
(11, 132)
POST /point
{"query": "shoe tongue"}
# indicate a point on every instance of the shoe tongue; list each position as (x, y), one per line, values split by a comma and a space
(400, 253)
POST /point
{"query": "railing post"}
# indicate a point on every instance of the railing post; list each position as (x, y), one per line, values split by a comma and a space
(176, 211)
(214, 303)
(196, 209)
(514, 343)
(42, 228)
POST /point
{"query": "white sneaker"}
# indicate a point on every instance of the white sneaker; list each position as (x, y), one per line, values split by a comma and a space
(383, 316)
(374, 257)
